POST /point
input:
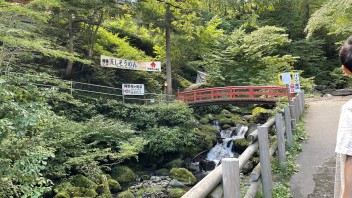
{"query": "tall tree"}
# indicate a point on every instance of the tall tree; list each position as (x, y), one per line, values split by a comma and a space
(22, 36)
(335, 16)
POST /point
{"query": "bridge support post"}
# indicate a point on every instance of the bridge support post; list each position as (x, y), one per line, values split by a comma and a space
(280, 139)
(231, 178)
(267, 181)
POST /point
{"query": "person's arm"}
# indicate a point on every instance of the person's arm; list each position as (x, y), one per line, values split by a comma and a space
(348, 177)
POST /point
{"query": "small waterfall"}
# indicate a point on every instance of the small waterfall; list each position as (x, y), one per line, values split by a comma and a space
(223, 149)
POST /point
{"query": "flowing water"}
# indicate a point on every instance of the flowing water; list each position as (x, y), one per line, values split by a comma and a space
(223, 149)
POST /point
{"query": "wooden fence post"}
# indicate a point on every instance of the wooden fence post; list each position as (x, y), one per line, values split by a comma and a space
(300, 104)
(303, 99)
(288, 128)
(265, 164)
(231, 178)
(280, 139)
(293, 116)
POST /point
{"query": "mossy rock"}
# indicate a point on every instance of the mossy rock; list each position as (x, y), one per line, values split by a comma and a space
(103, 178)
(183, 175)
(140, 192)
(145, 177)
(226, 113)
(76, 191)
(227, 121)
(162, 172)
(204, 120)
(241, 144)
(153, 191)
(83, 181)
(114, 186)
(235, 110)
(177, 163)
(126, 194)
(206, 137)
(91, 193)
(176, 192)
(258, 110)
(62, 194)
(123, 174)
(103, 188)
(226, 126)
(237, 120)
(62, 186)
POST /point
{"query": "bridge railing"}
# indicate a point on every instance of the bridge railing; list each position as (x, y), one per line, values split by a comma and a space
(228, 173)
(232, 93)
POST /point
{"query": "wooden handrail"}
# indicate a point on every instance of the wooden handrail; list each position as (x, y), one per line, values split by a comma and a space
(234, 93)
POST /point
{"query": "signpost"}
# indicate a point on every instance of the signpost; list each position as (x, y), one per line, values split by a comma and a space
(291, 80)
(133, 89)
(107, 61)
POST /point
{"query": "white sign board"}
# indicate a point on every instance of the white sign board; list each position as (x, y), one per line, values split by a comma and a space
(132, 89)
(297, 86)
(107, 61)
(285, 78)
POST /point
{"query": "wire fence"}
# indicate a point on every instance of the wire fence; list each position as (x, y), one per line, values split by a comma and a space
(73, 87)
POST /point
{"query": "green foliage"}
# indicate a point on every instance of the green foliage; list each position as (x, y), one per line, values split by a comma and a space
(249, 58)
(281, 190)
(183, 175)
(340, 79)
(333, 16)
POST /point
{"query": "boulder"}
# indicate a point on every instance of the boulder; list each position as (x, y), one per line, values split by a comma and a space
(207, 165)
(176, 184)
(183, 175)
(123, 174)
(342, 92)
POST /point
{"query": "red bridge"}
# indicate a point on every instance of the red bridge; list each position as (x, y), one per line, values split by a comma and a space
(233, 95)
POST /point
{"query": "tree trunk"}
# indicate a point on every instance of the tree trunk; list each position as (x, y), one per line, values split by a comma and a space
(68, 70)
(94, 35)
(305, 14)
(168, 52)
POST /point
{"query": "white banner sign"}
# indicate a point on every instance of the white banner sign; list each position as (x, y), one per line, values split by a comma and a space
(132, 89)
(107, 61)
(297, 86)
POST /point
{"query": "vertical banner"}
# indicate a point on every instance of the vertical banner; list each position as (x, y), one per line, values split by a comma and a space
(297, 86)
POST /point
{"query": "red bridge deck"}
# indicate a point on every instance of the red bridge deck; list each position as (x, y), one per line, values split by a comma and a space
(233, 95)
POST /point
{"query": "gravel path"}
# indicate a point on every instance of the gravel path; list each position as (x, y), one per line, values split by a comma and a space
(317, 160)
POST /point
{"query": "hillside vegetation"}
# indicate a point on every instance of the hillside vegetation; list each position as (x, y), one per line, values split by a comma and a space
(52, 139)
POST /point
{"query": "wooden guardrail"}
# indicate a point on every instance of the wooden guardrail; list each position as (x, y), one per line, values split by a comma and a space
(229, 170)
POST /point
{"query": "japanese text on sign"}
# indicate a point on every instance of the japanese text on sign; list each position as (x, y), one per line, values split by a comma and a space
(132, 89)
(106, 61)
